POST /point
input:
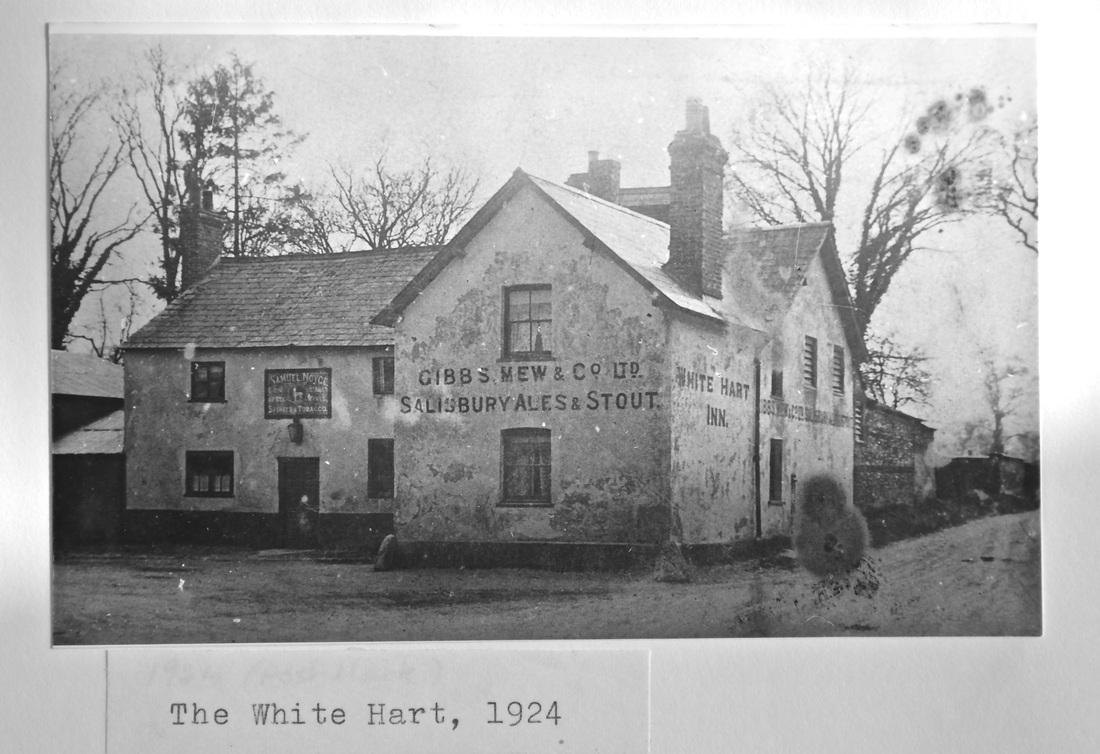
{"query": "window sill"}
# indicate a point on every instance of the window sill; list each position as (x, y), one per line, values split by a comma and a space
(199, 400)
(776, 502)
(222, 495)
(524, 504)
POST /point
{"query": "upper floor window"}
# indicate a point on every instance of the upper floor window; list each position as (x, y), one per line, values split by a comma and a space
(838, 370)
(809, 362)
(383, 375)
(857, 421)
(207, 381)
(777, 383)
(527, 321)
(525, 465)
(209, 473)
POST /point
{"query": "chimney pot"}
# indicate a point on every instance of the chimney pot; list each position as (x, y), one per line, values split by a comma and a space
(697, 116)
(593, 158)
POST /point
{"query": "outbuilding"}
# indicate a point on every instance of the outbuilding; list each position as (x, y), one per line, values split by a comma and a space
(87, 467)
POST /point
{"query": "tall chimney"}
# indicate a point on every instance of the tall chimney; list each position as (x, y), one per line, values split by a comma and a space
(602, 178)
(201, 230)
(696, 162)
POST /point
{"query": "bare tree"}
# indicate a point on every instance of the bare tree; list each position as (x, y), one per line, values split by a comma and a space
(795, 154)
(893, 375)
(101, 341)
(1008, 393)
(1004, 389)
(153, 154)
(388, 209)
(81, 242)
(1015, 197)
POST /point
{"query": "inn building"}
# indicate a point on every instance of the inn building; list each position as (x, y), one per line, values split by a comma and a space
(582, 363)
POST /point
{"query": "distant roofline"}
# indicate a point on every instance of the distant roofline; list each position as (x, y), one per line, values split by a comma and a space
(787, 226)
(199, 347)
(328, 257)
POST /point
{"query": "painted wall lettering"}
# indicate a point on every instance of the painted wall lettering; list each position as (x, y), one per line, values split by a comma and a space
(706, 383)
(302, 393)
(536, 372)
(594, 400)
(804, 413)
(716, 417)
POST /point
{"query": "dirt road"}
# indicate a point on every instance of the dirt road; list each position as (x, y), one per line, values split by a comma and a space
(982, 578)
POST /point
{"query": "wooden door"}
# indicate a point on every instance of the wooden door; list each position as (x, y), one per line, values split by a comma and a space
(299, 500)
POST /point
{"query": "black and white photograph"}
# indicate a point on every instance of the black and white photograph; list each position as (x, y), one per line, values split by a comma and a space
(429, 337)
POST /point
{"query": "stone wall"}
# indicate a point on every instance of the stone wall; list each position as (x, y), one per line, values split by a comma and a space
(891, 463)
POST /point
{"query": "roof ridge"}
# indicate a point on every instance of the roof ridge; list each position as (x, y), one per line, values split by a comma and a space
(599, 200)
(336, 255)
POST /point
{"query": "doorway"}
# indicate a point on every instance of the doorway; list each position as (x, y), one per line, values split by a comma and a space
(299, 501)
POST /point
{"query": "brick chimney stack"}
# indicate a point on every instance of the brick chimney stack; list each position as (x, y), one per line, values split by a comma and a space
(201, 230)
(602, 178)
(697, 159)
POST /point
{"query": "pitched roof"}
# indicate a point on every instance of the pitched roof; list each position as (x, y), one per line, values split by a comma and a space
(781, 255)
(103, 436)
(297, 299)
(635, 241)
(765, 266)
(84, 374)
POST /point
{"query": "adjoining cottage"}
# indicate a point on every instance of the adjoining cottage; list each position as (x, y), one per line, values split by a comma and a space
(567, 369)
(259, 404)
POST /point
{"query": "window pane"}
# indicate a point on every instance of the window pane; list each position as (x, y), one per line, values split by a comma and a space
(519, 305)
(540, 310)
(516, 482)
(542, 337)
(519, 338)
(542, 482)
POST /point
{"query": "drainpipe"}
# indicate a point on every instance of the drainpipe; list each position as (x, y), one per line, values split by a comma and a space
(756, 447)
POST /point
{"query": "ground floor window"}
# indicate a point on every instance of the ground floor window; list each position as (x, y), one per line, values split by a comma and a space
(380, 467)
(210, 473)
(525, 466)
(775, 467)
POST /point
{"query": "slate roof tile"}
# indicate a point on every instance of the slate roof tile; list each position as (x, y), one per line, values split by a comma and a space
(298, 299)
(84, 374)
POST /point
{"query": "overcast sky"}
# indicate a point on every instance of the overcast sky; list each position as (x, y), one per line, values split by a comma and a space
(490, 105)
